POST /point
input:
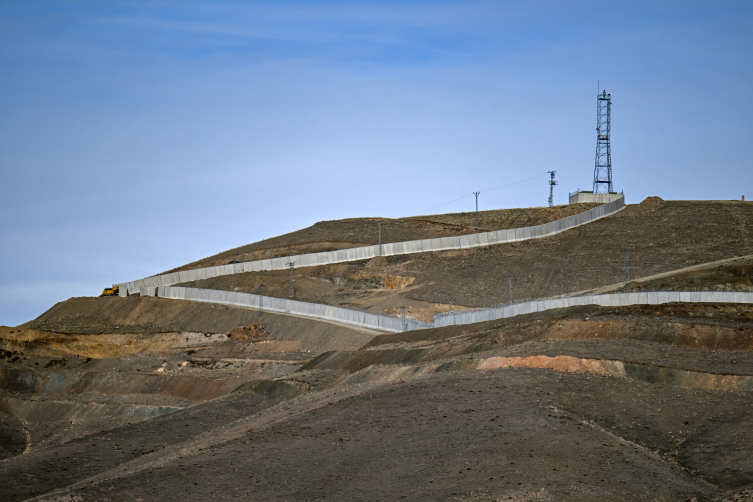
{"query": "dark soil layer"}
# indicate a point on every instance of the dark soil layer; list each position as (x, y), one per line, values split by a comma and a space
(458, 436)
(44, 470)
(338, 234)
(12, 436)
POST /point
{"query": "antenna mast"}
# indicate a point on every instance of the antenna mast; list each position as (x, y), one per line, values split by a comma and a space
(603, 168)
(551, 188)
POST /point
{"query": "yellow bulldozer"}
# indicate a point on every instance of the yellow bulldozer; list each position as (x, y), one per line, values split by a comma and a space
(113, 291)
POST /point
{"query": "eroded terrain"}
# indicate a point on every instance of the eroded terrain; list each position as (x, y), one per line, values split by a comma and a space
(156, 399)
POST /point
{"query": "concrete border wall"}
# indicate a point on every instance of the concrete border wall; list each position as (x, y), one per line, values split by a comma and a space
(610, 300)
(367, 252)
(397, 325)
(294, 307)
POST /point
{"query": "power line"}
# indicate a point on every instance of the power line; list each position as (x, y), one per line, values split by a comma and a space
(487, 190)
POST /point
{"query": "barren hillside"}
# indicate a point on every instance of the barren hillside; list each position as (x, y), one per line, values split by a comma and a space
(142, 398)
(340, 234)
(661, 236)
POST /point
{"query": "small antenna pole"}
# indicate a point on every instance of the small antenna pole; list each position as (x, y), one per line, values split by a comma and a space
(292, 267)
(380, 238)
(551, 188)
(476, 194)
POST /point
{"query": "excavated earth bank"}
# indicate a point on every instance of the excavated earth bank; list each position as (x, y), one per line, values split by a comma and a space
(588, 403)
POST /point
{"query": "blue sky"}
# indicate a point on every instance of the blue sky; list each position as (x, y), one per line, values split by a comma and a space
(138, 136)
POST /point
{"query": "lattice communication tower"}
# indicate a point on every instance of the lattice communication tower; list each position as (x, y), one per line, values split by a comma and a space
(603, 169)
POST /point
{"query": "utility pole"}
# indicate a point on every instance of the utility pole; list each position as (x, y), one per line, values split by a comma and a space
(380, 238)
(261, 299)
(566, 282)
(626, 265)
(476, 194)
(509, 285)
(292, 266)
(551, 188)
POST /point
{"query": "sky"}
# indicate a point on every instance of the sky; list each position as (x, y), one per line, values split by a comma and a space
(139, 136)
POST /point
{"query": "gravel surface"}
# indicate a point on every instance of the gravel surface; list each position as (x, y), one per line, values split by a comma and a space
(458, 436)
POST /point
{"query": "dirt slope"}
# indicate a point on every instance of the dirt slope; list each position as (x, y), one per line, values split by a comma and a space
(455, 436)
(148, 316)
(148, 399)
(661, 236)
(339, 234)
(427, 415)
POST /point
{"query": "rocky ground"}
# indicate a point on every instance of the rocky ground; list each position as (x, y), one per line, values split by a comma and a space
(339, 234)
(108, 399)
(496, 411)
(662, 236)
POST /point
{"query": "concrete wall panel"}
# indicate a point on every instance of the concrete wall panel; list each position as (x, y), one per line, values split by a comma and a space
(413, 246)
(449, 243)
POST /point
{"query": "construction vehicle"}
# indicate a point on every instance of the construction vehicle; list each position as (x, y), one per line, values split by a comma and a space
(113, 291)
